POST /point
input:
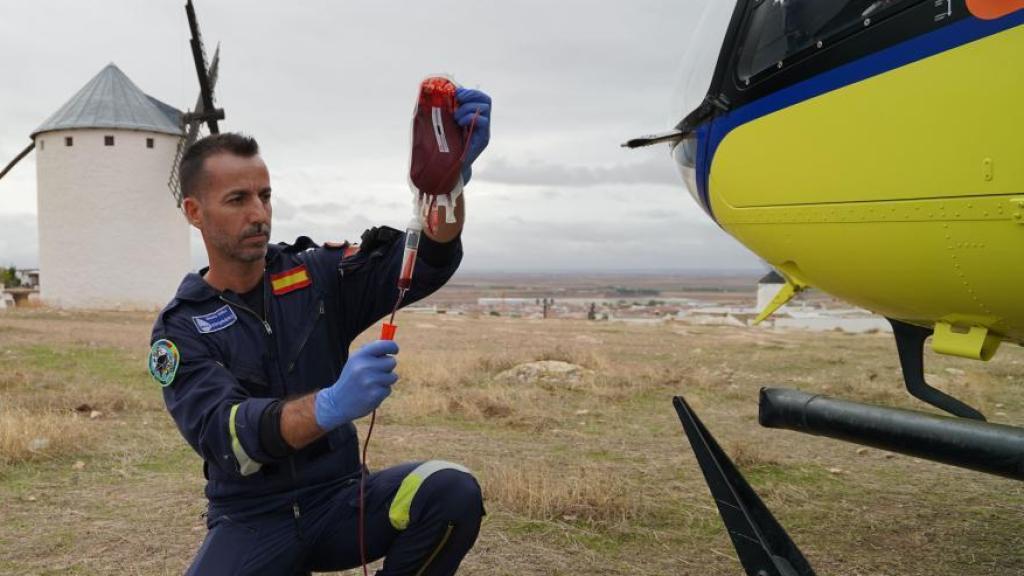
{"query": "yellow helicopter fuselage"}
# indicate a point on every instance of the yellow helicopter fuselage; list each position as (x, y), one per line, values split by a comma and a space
(901, 192)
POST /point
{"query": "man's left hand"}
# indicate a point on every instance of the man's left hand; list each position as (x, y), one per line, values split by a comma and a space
(473, 103)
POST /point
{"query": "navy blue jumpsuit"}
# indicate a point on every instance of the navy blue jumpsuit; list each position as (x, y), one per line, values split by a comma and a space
(224, 369)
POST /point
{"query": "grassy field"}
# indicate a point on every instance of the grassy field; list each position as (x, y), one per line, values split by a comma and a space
(586, 473)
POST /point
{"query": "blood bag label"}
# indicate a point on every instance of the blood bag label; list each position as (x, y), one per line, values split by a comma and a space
(442, 140)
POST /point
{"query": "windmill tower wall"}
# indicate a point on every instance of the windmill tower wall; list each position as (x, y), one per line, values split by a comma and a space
(110, 235)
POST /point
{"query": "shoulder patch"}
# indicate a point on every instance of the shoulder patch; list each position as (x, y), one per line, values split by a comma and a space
(163, 362)
(290, 280)
(215, 321)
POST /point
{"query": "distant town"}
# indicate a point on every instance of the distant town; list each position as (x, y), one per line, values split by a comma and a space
(728, 300)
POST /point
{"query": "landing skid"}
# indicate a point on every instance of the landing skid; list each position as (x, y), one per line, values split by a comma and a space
(762, 544)
(763, 547)
(910, 346)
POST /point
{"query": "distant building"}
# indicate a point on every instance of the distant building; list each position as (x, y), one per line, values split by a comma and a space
(835, 321)
(110, 234)
(506, 301)
(29, 277)
(768, 287)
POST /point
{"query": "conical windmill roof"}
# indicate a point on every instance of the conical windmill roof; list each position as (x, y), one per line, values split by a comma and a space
(111, 100)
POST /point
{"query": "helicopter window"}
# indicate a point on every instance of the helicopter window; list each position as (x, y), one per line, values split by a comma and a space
(780, 29)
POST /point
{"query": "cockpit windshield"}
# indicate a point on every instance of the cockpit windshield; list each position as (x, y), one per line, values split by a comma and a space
(701, 57)
(780, 29)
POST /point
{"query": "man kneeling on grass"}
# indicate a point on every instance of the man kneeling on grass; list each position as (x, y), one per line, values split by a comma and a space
(252, 353)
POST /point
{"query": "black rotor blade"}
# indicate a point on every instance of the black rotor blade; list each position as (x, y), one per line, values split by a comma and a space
(17, 159)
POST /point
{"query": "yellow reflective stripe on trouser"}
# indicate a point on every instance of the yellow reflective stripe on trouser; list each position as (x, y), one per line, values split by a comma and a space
(246, 465)
(399, 512)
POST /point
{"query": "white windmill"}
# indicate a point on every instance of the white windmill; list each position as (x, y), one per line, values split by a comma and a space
(109, 237)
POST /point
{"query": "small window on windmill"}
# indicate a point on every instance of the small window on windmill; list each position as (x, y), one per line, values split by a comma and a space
(69, 141)
(149, 142)
(108, 140)
(42, 145)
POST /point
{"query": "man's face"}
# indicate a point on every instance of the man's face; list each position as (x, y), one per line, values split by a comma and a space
(232, 206)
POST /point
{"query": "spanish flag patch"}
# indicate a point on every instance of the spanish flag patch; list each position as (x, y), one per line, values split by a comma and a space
(290, 280)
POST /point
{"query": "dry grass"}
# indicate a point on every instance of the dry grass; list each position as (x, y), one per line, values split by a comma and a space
(27, 436)
(53, 398)
(585, 473)
(586, 494)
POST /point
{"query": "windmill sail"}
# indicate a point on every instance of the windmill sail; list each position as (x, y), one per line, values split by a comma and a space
(17, 159)
(205, 110)
(192, 128)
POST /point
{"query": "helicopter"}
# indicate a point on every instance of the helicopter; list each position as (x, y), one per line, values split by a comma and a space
(870, 149)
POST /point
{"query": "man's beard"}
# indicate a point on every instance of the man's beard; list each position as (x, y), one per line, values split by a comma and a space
(237, 250)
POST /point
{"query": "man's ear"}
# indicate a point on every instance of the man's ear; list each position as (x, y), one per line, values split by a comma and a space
(192, 212)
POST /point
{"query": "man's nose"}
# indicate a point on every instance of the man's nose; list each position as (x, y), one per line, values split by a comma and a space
(259, 212)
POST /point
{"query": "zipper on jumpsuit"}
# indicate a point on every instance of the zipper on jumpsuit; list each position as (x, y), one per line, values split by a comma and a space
(263, 321)
(272, 348)
(305, 338)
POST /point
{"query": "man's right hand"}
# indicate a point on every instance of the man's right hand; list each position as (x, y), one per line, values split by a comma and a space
(364, 383)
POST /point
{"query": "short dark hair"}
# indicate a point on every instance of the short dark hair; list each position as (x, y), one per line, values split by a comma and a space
(191, 168)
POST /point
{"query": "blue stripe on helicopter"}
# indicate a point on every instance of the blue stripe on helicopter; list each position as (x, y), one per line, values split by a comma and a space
(919, 48)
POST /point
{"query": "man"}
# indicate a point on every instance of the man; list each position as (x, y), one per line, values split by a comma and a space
(252, 354)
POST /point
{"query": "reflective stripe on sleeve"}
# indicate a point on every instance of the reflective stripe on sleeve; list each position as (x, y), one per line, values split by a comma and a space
(399, 511)
(246, 465)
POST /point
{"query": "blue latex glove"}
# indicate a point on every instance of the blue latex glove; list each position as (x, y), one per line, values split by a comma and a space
(471, 102)
(364, 383)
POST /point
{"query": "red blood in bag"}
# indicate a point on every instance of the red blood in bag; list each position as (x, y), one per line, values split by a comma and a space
(438, 142)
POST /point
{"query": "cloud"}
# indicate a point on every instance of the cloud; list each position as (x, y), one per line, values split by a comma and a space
(554, 190)
(283, 210)
(19, 238)
(540, 173)
(589, 245)
(321, 209)
(608, 227)
(660, 214)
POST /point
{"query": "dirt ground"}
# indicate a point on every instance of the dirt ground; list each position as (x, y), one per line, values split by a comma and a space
(586, 472)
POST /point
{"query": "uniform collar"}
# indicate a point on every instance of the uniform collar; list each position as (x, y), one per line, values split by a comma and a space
(194, 289)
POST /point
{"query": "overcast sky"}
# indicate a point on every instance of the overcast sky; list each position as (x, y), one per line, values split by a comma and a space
(327, 87)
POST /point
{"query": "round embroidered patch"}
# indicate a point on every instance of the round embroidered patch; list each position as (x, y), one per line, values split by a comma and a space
(163, 362)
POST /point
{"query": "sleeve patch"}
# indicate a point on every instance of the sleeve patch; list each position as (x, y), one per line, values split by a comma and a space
(163, 362)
